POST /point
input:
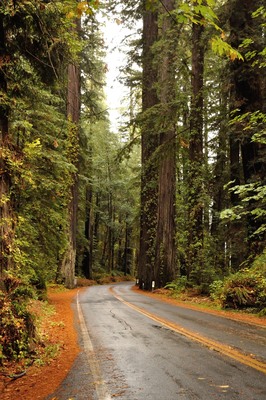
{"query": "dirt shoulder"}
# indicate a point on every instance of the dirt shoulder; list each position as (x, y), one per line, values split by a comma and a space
(59, 333)
(59, 329)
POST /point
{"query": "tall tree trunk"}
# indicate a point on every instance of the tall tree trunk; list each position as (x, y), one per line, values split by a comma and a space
(165, 261)
(237, 231)
(247, 82)
(6, 228)
(196, 160)
(219, 232)
(127, 256)
(73, 114)
(111, 239)
(88, 252)
(149, 144)
(119, 253)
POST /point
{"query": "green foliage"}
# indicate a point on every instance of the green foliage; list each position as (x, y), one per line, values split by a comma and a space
(222, 48)
(17, 329)
(39, 156)
(253, 200)
(252, 195)
(253, 122)
(259, 264)
(259, 57)
(244, 289)
(178, 285)
(216, 289)
(113, 185)
(40, 173)
(197, 14)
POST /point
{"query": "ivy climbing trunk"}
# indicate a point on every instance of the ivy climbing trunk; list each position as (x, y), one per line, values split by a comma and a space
(149, 145)
(165, 259)
(196, 160)
(247, 96)
(73, 115)
(6, 229)
(218, 230)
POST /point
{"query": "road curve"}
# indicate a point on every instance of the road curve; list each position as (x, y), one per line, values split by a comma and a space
(135, 347)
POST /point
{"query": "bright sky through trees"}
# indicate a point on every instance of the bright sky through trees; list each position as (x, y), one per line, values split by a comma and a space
(114, 33)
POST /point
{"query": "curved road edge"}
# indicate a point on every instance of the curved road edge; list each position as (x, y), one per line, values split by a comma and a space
(211, 344)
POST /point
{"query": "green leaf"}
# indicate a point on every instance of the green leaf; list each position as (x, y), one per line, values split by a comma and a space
(259, 11)
(220, 47)
(211, 3)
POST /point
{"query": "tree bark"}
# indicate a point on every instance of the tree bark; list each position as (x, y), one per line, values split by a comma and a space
(219, 232)
(88, 252)
(6, 224)
(73, 114)
(247, 83)
(196, 159)
(149, 144)
(165, 260)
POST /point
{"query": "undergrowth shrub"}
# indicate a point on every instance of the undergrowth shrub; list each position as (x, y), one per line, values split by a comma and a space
(259, 264)
(216, 290)
(244, 289)
(103, 278)
(17, 328)
(178, 285)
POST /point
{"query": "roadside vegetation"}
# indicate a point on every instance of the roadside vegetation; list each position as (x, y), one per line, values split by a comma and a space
(24, 316)
(244, 290)
(174, 197)
(26, 322)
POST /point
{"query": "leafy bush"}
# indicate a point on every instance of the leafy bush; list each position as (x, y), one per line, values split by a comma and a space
(216, 289)
(178, 285)
(259, 264)
(16, 323)
(244, 289)
(117, 273)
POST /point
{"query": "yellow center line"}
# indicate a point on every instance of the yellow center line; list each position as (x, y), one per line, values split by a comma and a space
(211, 344)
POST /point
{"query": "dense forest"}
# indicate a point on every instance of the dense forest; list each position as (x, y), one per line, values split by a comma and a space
(177, 196)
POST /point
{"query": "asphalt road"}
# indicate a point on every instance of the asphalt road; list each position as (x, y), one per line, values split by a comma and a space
(135, 347)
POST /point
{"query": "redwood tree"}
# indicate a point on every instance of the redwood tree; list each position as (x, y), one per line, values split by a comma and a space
(73, 115)
(149, 145)
(246, 96)
(165, 261)
(196, 160)
(5, 203)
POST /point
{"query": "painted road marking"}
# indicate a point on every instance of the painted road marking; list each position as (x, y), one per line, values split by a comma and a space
(101, 389)
(211, 344)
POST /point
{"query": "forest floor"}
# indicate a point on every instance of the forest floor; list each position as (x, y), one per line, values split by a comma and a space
(60, 345)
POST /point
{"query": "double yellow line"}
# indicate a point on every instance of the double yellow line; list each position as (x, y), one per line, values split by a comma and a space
(211, 344)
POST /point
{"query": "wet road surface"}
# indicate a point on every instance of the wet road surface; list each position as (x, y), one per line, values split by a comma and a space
(135, 347)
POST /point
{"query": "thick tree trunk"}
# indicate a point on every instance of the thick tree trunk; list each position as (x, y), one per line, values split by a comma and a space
(247, 83)
(165, 261)
(73, 114)
(127, 256)
(111, 239)
(237, 229)
(196, 160)
(88, 253)
(6, 224)
(6, 231)
(219, 181)
(149, 143)
(219, 231)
